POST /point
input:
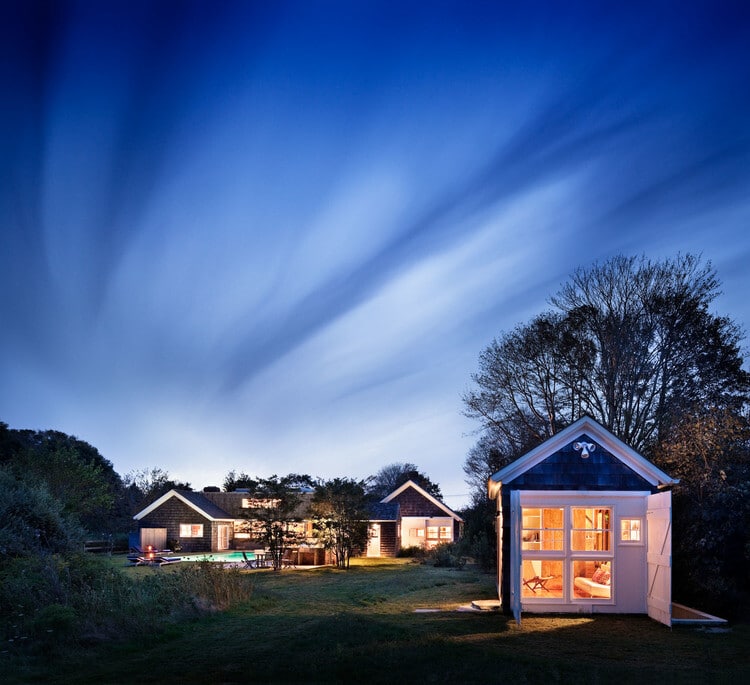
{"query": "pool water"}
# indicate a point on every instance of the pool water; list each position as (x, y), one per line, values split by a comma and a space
(216, 556)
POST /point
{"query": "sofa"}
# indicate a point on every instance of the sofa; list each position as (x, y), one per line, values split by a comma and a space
(598, 585)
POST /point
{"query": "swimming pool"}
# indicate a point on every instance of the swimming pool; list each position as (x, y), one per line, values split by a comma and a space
(224, 557)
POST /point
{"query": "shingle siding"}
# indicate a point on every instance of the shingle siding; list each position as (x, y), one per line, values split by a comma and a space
(567, 470)
(411, 503)
(170, 515)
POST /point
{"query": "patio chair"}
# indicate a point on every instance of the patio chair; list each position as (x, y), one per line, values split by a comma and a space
(248, 562)
(287, 561)
(538, 580)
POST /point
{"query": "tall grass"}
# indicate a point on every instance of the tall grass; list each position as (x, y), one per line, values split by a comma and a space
(361, 625)
(53, 602)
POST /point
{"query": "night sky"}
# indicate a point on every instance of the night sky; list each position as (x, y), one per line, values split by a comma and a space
(274, 237)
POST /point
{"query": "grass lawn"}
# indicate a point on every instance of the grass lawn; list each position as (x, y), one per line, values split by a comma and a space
(329, 626)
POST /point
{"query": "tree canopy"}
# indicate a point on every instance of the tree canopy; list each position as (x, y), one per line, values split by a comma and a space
(275, 513)
(340, 517)
(630, 342)
(393, 476)
(146, 485)
(70, 471)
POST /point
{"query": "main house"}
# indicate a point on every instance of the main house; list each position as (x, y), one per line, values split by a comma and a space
(211, 521)
(584, 525)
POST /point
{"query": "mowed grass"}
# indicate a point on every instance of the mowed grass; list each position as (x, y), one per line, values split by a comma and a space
(361, 625)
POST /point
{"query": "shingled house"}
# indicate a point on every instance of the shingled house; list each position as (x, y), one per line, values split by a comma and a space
(584, 525)
(410, 517)
(216, 521)
(208, 521)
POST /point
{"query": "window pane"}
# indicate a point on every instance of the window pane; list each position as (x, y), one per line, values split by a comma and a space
(590, 529)
(630, 530)
(592, 579)
(542, 528)
(542, 578)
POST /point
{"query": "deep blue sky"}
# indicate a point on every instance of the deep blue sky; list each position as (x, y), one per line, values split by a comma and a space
(275, 237)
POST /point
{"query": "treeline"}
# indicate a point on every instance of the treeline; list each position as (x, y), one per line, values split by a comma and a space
(57, 491)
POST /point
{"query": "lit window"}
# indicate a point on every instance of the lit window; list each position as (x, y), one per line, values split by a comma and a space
(542, 529)
(416, 532)
(542, 578)
(590, 530)
(630, 530)
(191, 530)
(446, 533)
(592, 579)
(432, 532)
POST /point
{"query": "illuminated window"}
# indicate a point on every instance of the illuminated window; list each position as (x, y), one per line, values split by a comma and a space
(542, 578)
(446, 533)
(416, 532)
(592, 579)
(630, 530)
(432, 532)
(567, 553)
(191, 530)
(590, 530)
(542, 529)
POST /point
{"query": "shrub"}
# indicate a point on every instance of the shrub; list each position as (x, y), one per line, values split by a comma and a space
(447, 555)
(411, 552)
(52, 600)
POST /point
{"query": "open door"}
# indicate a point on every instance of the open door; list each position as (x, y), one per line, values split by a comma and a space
(515, 554)
(659, 557)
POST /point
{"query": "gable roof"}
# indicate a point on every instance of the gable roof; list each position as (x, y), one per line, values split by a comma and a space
(590, 428)
(194, 500)
(425, 494)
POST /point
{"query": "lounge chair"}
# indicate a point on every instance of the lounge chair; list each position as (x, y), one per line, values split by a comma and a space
(162, 561)
(248, 561)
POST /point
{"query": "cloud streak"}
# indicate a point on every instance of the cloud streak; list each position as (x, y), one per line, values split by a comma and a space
(281, 229)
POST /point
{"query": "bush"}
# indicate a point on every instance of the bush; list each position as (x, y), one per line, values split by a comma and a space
(53, 601)
(447, 555)
(411, 552)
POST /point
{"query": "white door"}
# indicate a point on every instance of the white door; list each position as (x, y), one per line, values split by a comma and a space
(659, 556)
(515, 554)
(373, 541)
(156, 538)
(223, 541)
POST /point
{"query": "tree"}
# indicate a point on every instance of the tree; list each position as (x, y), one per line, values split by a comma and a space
(632, 344)
(340, 517)
(394, 476)
(710, 454)
(72, 472)
(235, 481)
(275, 513)
(32, 521)
(147, 485)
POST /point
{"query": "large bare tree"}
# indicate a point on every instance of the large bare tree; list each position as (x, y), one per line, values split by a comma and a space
(631, 342)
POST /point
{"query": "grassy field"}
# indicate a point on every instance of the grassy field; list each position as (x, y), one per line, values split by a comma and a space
(330, 626)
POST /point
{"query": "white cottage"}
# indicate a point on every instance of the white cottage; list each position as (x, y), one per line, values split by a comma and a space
(583, 526)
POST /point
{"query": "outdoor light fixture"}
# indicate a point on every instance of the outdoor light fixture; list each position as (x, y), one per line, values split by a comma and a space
(584, 448)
